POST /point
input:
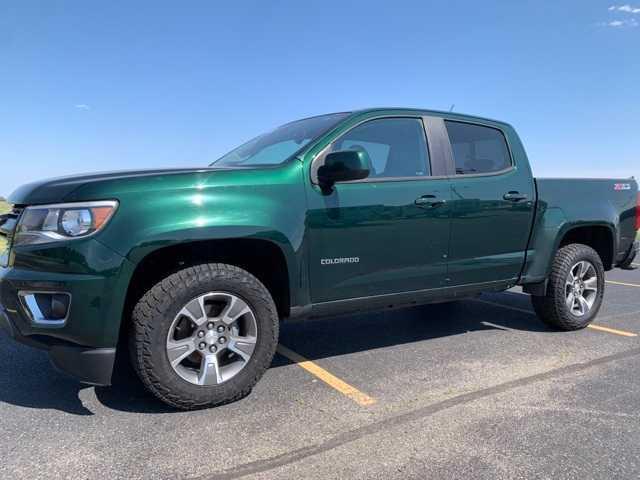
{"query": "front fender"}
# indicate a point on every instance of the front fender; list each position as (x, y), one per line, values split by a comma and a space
(266, 204)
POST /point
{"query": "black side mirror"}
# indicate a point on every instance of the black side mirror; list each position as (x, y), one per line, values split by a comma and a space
(343, 166)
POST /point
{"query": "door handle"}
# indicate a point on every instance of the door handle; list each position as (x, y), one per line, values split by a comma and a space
(514, 196)
(429, 201)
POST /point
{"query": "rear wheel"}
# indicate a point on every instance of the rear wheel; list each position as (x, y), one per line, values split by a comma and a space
(574, 290)
(204, 336)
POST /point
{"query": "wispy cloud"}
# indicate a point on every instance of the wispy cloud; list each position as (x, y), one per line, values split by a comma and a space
(626, 13)
(628, 23)
(82, 106)
(624, 8)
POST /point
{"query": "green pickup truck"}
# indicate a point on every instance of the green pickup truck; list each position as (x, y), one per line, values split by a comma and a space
(192, 270)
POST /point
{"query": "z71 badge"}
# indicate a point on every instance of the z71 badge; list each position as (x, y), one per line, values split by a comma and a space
(622, 186)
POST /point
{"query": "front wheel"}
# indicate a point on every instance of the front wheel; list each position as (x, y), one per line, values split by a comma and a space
(574, 290)
(204, 336)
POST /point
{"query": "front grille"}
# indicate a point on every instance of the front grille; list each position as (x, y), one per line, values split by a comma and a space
(8, 224)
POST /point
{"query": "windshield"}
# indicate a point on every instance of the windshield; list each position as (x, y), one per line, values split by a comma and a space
(279, 145)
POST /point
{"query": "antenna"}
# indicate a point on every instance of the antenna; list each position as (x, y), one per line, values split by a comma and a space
(452, 105)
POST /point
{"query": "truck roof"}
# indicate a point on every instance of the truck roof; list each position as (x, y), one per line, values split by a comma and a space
(423, 111)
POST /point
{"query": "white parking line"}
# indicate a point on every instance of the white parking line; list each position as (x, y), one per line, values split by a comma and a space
(623, 283)
(496, 304)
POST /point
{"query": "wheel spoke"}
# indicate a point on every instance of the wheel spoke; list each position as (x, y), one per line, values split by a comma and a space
(570, 300)
(178, 350)
(591, 284)
(584, 305)
(195, 311)
(585, 268)
(243, 346)
(209, 373)
(578, 270)
(234, 310)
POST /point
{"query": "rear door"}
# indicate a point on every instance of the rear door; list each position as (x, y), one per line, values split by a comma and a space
(492, 204)
(388, 233)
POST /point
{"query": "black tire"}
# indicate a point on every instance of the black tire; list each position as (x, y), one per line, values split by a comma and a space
(552, 308)
(154, 313)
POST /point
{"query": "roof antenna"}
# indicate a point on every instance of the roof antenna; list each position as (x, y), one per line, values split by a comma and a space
(452, 105)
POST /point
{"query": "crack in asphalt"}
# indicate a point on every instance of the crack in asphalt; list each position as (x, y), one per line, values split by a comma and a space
(260, 466)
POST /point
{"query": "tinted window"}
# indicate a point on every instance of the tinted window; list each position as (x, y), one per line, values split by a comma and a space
(396, 146)
(477, 149)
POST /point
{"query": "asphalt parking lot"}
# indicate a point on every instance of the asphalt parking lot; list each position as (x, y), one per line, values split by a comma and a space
(475, 389)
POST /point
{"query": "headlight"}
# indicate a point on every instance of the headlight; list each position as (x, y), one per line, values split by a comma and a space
(53, 223)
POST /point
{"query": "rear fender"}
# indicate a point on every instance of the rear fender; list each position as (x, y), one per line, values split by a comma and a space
(550, 228)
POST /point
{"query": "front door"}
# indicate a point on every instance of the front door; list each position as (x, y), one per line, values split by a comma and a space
(388, 233)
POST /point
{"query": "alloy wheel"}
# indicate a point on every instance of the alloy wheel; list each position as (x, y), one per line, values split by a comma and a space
(212, 338)
(581, 288)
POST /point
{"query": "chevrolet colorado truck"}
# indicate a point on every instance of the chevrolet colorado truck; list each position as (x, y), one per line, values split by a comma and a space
(192, 270)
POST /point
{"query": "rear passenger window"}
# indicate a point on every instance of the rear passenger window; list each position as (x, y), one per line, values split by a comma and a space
(477, 149)
(396, 146)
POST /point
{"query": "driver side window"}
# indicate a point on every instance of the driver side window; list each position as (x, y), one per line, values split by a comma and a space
(397, 147)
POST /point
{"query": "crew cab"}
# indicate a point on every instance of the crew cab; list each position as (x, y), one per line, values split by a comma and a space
(192, 270)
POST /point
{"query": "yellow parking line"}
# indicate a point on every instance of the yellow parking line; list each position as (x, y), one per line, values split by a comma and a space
(623, 283)
(612, 330)
(592, 326)
(353, 393)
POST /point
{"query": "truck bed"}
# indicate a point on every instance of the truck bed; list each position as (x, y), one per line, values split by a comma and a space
(609, 202)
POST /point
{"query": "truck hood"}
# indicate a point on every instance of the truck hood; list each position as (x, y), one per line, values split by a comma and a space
(59, 189)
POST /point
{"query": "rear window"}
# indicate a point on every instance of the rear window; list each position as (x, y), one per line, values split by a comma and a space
(477, 149)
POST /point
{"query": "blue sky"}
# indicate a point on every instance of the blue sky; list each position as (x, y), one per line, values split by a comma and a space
(92, 86)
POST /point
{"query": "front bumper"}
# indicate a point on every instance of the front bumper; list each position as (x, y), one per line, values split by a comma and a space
(88, 365)
(96, 278)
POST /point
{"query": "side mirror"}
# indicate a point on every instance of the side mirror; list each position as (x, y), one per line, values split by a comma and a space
(343, 166)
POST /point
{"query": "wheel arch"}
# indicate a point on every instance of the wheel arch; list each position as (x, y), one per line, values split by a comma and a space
(263, 258)
(599, 236)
